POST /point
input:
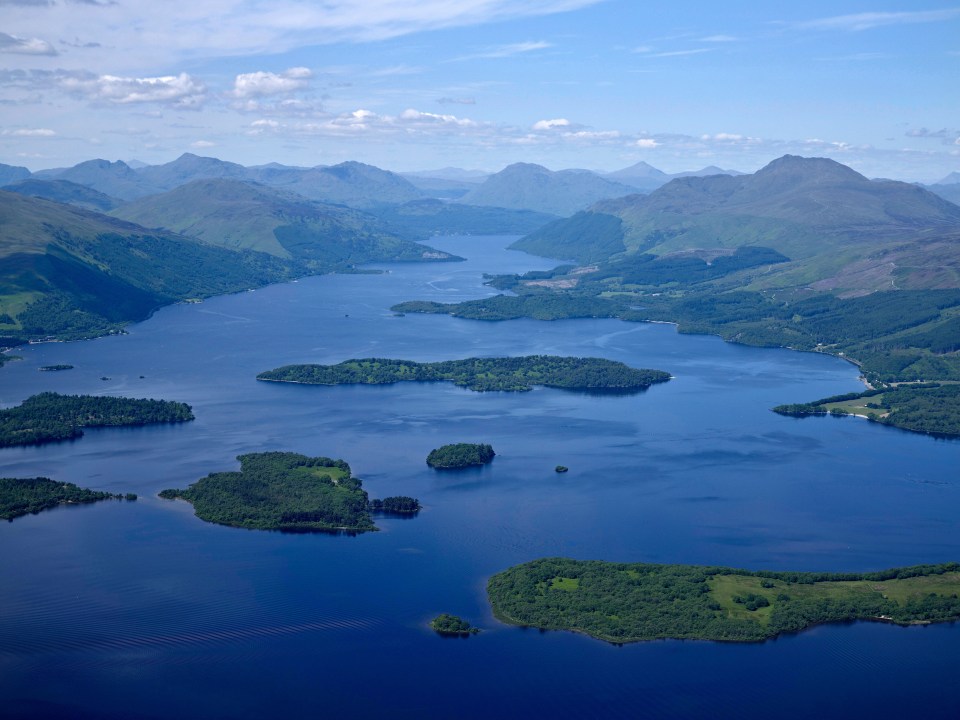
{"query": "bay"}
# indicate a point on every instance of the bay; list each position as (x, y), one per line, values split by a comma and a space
(142, 610)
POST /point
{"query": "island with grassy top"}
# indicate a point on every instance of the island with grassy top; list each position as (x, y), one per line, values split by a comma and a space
(460, 455)
(49, 417)
(931, 408)
(629, 602)
(517, 374)
(446, 624)
(288, 491)
(25, 496)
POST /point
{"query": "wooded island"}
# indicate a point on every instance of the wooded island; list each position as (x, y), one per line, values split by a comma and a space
(288, 491)
(628, 602)
(460, 455)
(23, 496)
(517, 374)
(49, 417)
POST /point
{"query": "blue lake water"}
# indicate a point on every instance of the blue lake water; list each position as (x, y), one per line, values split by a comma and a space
(140, 610)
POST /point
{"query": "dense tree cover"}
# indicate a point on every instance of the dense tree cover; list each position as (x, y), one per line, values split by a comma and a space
(627, 602)
(287, 491)
(49, 417)
(542, 305)
(446, 624)
(901, 336)
(923, 407)
(480, 374)
(460, 455)
(22, 496)
(396, 505)
(565, 238)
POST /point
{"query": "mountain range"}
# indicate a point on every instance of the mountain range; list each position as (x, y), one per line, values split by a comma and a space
(842, 231)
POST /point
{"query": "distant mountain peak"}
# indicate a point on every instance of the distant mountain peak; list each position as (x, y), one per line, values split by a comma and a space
(951, 179)
(796, 168)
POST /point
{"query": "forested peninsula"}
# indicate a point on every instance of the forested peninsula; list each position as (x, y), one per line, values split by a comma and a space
(50, 417)
(517, 374)
(288, 491)
(23, 496)
(929, 408)
(629, 602)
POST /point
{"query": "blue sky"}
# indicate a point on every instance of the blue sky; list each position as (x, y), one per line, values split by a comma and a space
(413, 85)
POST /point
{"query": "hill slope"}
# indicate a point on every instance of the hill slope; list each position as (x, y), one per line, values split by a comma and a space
(64, 191)
(244, 215)
(71, 273)
(839, 228)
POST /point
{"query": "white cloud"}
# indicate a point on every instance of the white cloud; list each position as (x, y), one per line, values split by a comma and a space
(25, 46)
(682, 53)
(868, 20)
(259, 84)
(719, 39)
(551, 124)
(503, 51)
(180, 91)
(30, 132)
(201, 144)
(593, 135)
(646, 143)
(158, 37)
(417, 116)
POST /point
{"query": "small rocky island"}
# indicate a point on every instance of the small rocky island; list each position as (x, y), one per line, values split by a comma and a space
(629, 602)
(460, 455)
(291, 492)
(25, 496)
(515, 374)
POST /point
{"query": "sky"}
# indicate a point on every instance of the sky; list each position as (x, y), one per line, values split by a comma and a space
(422, 84)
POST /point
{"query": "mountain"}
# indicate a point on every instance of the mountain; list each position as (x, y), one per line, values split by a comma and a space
(116, 179)
(350, 183)
(189, 167)
(645, 177)
(251, 216)
(951, 179)
(524, 186)
(642, 176)
(842, 231)
(71, 273)
(64, 191)
(422, 218)
(12, 173)
(704, 172)
(949, 192)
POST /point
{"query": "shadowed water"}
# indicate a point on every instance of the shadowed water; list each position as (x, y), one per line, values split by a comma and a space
(141, 610)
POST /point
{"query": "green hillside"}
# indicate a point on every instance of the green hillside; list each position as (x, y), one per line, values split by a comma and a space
(249, 216)
(66, 192)
(69, 273)
(847, 233)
